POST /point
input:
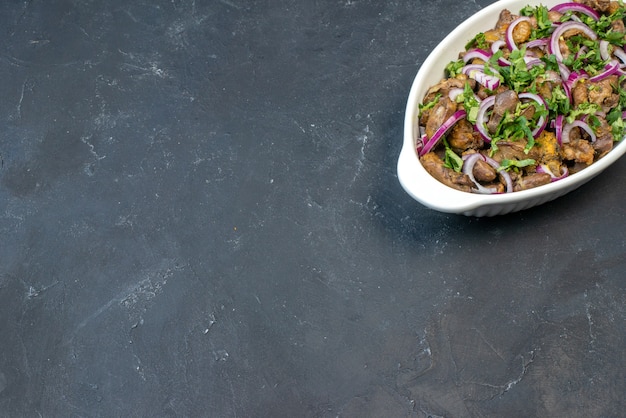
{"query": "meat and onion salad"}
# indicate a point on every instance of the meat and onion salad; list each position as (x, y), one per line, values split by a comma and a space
(540, 96)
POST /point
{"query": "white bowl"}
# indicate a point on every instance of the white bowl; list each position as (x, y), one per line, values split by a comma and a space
(430, 192)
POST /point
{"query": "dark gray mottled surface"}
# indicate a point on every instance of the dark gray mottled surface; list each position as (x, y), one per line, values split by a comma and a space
(200, 216)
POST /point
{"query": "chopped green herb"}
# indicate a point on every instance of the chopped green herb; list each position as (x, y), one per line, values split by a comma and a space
(470, 103)
(430, 104)
(454, 68)
(451, 159)
(478, 41)
(507, 164)
(581, 110)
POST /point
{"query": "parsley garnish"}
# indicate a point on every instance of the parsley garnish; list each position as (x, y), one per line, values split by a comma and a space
(430, 104)
(478, 41)
(451, 159)
(454, 68)
(507, 164)
(470, 103)
(614, 118)
(583, 109)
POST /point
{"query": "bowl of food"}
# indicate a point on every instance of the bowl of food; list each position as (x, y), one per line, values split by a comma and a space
(522, 103)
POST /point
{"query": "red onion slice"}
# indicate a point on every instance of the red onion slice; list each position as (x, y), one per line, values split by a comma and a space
(542, 168)
(577, 124)
(533, 62)
(481, 117)
(560, 30)
(558, 128)
(495, 47)
(477, 72)
(476, 53)
(470, 161)
(429, 144)
(604, 50)
(510, 42)
(538, 43)
(454, 93)
(576, 7)
(609, 69)
(620, 53)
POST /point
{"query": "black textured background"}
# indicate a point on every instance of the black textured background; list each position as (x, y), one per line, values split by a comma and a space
(200, 216)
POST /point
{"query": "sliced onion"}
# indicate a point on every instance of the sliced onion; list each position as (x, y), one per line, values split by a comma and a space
(470, 161)
(560, 30)
(565, 72)
(481, 117)
(510, 42)
(576, 7)
(533, 62)
(476, 71)
(604, 50)
(495, 47)
(542, 122)
(454, 93)
(609, 69)
(620, 53)
(491, 82)
(577, 124)
(429, 143)
(583, 50)
(476, 53)
(538, 43)
(543, 168)
(571, 81)
(558, 128)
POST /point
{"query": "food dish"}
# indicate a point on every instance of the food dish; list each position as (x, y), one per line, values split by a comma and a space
(427, 190)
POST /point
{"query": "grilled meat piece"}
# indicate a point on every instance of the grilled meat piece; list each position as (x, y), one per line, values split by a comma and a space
(580, 94)
(504, 20)
(530, 181)
(578, 150)
(604, 139)
(442, 111)
(484, 173)
(599, 5)
(514, 150)
(602, 92)
(434, 166)
(443, 89)
(463, 137)
(506, 101)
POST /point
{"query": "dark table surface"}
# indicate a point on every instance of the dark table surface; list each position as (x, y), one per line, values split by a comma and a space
(200, 216)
